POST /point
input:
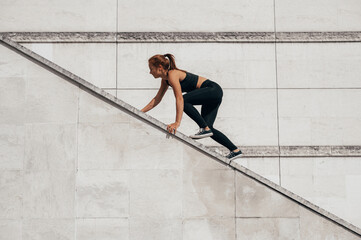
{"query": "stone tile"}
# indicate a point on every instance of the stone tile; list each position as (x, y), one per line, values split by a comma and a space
(313, 226)
(230, 16)
(102, 194)
(209, 228)
(317, 16)
(95, 110)
(319, 117)
(106, 228)
(352, 207)
(319, 65)
(44, 229)
(302, 185)
(297, 166)
(12, 69)
(11, 195)
(230, 65)
(143, 151)
(266, 167)
(208, 193)
(12, 146)
(65, 16)
(329, 186)
(50, 99)
(155, 194)
(160, 229)
(10, 229)
(49, 194)
(255, 200)
(12, 104)
(195, 160)
(102, 146)
(268, 228)
(94, 62)
(50, 146)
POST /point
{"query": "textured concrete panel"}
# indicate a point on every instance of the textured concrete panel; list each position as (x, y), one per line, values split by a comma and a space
(319, 15)
(12, 104)
(143, 142)
(208, 193)
(266, 167)
(11, 195)
(230, 65)
(156, 194)
(160, 229)
(253, 200)
(327, 182)
(41, 100)
(12, 138)
(49, 194)
(268, 228)
(92, 61)
(209, 228)
(102, 146)
(320, 117)
(102, 194)
(317, 228)
(110, 229)
(50, 147)
(188, 16)
(11, 229)
(93, 110)
(153, 193)
(193, 161)
(53, 16)
(45, 229)
(332, 65)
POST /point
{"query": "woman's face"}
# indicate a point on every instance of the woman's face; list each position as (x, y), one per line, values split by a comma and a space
(155, 71)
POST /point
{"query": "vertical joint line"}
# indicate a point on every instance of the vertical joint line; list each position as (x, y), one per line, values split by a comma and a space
(116, 51)
(277, 97)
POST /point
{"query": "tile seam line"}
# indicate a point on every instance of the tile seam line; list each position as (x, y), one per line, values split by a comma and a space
(99, 93)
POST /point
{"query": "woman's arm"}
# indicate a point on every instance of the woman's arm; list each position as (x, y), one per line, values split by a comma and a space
(177, 90)
(156, 100)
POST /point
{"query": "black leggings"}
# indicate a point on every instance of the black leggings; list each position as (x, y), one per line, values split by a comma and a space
(209, 95)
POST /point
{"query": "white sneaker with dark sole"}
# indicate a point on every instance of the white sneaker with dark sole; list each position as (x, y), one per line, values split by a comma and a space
(233, 155)
(202, 134)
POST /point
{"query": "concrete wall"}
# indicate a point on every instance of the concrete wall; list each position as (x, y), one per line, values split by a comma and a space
(75, 167)
(214, 15)
(307, 90)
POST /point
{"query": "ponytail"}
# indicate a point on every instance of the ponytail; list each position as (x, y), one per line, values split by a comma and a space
(161, 60)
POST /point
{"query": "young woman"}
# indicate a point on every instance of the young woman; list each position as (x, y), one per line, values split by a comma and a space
(200, 91)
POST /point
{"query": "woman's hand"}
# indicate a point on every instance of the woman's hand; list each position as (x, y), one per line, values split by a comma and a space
(173, 127)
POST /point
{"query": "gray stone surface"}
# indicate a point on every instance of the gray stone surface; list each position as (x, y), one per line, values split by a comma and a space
(268, 228)
(98, 228)
(48, 194)
(102, 194)
(45, 229)
(148, 193)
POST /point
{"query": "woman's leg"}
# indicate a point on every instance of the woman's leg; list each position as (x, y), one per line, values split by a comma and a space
(197, 97)
(209, 114)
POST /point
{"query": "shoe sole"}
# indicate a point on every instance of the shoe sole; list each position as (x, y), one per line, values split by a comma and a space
(201, 136)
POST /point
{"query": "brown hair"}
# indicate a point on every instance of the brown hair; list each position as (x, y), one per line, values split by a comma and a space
(161, 60)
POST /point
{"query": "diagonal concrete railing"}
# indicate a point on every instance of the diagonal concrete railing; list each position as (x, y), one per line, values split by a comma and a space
(81, 83)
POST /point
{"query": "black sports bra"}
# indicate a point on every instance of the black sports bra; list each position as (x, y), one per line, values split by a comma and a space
(189, 83)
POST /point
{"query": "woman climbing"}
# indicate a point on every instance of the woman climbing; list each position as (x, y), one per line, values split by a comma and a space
(199, 91)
